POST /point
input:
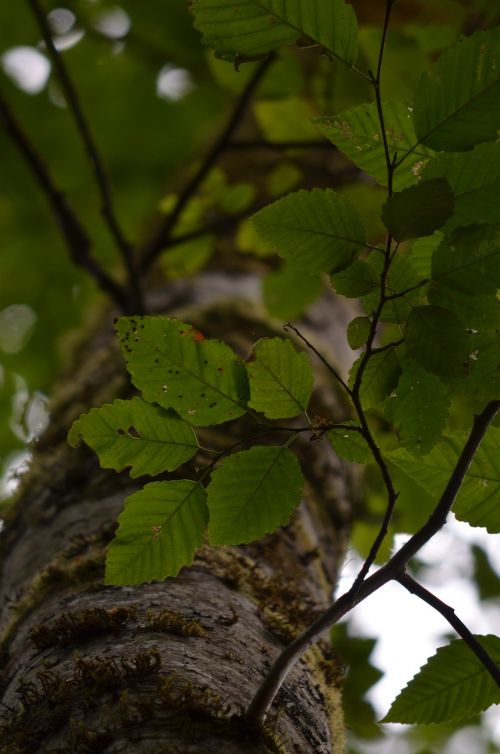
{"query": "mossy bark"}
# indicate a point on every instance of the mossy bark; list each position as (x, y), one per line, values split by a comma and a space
(166, 667)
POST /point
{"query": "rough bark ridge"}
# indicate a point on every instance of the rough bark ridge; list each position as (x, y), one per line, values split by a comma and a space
(165, 667)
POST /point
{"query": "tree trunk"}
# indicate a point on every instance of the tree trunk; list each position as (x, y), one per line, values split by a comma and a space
(165, 667)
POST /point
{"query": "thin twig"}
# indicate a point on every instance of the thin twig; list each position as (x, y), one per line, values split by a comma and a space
(392, 570)
(449, 614)
(162, 235)
(75, 235)
(92, 151)
(324, 361)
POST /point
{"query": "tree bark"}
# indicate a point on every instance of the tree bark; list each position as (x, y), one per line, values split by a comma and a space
(165, 667)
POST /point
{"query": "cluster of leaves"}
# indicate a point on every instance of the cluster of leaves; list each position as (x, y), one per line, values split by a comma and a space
(433, 286)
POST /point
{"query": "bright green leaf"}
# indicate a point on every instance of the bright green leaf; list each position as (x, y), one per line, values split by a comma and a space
(357, 134)
(418, 210)
(478, 501)
(281, 380)
(436, 339)
(458, 100)
(253, 493)
(177, 368)
(134, 433)
(350, 445)
(358, 330)
(315, 230)
(250, 28)
(453, 684)
(159, 531)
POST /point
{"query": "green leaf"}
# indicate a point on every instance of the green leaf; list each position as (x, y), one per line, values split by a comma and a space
(250, 28)
(358, 330)
(453, 684)
(401, 279)
(478, 501)
(458, 100)
(350, 445)
(358, 135)
(134, 433)
(418, 407)
(314, 230)
(356, 280)
(380, 377)
(421, 252)
(159, 531)
(436, 339)
(281, 380)
(469, 261)
(288, 292)
(177, 368)
(188, 257)
(253, 493)
(480, 312)
(418, 210)
(474, 178)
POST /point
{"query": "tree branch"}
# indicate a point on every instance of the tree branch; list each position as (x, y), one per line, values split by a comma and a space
(162, 235)
(75, 235)
(93, 155)
(448, 613)
(324, 361)
(392, 570)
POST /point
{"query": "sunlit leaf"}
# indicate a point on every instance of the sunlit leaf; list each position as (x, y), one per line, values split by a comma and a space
(357, 134)
(253, 493)
(281, 380)
(159, 531)
(176, 367)
(135, 434)
(315, 230)
(452, 685)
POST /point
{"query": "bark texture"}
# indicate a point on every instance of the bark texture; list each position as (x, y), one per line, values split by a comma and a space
(165, 667)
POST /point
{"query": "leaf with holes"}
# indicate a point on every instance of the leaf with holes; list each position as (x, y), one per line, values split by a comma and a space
(453, 684)
(253, 493)
(175, 366)
(250, 28)
(159, 531)
(356, 132)
(418, 210)
(281, 380)
(478, 501)
(315, 230)
(135, 434)
(458, 100)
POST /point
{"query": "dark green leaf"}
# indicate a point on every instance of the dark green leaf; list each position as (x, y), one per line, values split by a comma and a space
(469, 261)
(436, 339)
(281, 380)
(135, 434)
(380, 377)
(418, 210)
(350, 445)
(458, 101)
(159, 531)
(252, 27)
(315, 230)
(358, 330)
(253, 493)
(356, 280)
(288, 291)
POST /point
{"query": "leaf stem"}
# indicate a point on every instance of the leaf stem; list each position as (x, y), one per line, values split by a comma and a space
(392, 570)
(449, 614)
